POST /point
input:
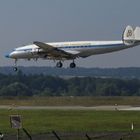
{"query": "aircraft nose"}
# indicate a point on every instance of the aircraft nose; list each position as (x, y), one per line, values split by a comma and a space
(7, 55)
(10, 55)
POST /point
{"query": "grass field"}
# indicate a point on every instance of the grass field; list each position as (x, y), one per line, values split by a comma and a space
(42, 121)
(69, 101)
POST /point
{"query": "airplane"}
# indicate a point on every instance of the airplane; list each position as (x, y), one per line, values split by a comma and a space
(61, 51)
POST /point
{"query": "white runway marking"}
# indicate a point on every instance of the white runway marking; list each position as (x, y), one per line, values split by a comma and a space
(132, 109)
(107, 108)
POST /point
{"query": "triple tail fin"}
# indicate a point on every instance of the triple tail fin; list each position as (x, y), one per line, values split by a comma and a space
(131, 36)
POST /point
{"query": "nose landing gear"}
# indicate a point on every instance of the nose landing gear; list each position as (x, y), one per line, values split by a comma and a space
(15, 67)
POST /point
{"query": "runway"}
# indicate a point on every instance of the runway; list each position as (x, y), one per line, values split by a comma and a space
(104, 108)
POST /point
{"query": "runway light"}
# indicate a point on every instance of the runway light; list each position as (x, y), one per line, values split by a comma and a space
(132, 126)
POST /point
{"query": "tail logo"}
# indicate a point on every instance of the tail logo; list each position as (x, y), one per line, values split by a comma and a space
(129, 33)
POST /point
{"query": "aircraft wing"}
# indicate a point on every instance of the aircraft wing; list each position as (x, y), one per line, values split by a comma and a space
(53, 51)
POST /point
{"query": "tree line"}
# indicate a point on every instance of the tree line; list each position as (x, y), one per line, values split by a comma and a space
(132, 72)
(43, 85)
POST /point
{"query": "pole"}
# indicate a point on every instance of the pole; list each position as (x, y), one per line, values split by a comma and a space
(17, 134)
(26, 132)
(56, 135)
(88, 137)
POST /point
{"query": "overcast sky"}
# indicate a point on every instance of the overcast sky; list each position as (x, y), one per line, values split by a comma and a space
(25, 21)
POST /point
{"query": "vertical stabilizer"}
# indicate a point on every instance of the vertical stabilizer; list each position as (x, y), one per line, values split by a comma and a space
(137, 33)
(129, 36)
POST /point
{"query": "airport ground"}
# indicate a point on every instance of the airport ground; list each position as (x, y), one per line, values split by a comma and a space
(70, 101)
(100, 117)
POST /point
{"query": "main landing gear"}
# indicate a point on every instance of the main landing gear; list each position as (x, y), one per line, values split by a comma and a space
(72, 65)
(60, 64)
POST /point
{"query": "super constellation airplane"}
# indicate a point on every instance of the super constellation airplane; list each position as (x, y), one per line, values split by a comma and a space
(61, 51)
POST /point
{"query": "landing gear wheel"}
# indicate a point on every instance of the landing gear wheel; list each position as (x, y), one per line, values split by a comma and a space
(72, 65)
(59, 64)
(15, 69)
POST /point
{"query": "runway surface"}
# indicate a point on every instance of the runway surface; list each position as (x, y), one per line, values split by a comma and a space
(107, 108)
